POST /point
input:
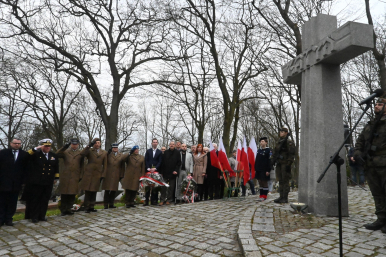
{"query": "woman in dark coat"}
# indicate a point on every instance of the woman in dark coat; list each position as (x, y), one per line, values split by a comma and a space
(263, 167)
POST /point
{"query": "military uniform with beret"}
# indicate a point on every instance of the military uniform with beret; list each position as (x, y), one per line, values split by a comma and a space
(375, 164)
(43, 170)
(284, 154)
(92, 174)
(69, 175)
(135, 169)
(114, 172)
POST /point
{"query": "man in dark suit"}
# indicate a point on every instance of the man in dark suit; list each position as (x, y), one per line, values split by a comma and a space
(13, 162)
(153, 160)
(170, 169)
(43, 170)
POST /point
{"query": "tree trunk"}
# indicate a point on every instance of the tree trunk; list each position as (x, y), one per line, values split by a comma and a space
(382, 73)
(235, 124)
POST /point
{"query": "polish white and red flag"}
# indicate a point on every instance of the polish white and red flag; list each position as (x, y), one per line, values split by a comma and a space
(214, 161)
(244, 160)
(223, 158)
(238, 154)
(252, 151)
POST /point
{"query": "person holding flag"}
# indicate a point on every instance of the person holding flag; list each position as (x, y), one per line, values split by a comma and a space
(247, 170)
(214, 173)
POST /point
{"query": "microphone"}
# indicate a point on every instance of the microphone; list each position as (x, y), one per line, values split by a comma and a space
(376, 93)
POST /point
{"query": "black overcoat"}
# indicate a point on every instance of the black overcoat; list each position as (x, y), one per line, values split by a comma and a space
(12, 174)
(171, 161)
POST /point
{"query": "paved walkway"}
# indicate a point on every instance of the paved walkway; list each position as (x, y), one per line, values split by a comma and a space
(233, 227)
(292, 234)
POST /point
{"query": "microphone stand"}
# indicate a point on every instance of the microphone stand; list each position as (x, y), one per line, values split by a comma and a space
(338, 161)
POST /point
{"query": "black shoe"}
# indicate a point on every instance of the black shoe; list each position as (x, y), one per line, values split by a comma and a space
(112, 207)
(146, 204)
(9, 223)
(128, 205)
(34, 221)
(378, 224)
(106, 207)
(63, 214)
(132, 205)
(43, 219)
(277, 200)
(91, 210)
(383, 229)
(283, 200)
(154, 203)
(69, 213)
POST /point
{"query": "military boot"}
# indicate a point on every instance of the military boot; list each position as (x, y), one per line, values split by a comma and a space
(378, 224)
(284, 199)
(277, 200)
(383, 229)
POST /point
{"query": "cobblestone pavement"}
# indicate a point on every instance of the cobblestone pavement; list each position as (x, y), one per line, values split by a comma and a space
(278, 231)
(202, 229)
(233, 227)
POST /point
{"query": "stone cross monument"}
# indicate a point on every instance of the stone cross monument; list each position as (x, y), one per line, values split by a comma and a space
(317, 70)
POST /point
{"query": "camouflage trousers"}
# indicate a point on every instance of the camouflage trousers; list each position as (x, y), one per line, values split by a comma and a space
(283, 177)
(376, 178)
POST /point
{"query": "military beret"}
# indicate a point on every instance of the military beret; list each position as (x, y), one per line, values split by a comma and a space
(74, 141)
(45, 141)
(284, 130)
(381, 100)
(134, 148)
(114, 145)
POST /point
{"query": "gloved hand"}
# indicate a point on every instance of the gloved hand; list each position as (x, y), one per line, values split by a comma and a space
(92, 143)
(67, 145)
(109, 151)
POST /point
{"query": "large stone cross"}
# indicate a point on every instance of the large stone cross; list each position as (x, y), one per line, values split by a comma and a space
(317, 70)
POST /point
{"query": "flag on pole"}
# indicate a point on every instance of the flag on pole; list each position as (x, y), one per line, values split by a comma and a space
(213, 157)
(238, 155)
(222, 156)
(252, 151)
(244, 160)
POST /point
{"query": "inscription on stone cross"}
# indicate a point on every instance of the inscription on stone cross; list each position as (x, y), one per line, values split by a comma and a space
(317, 70)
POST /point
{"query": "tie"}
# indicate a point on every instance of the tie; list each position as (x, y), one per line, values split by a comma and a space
(115, 154)
(153, 153)
(46, 155)
(14, 155)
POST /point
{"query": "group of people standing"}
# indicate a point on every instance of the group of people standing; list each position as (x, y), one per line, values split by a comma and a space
(92, 167)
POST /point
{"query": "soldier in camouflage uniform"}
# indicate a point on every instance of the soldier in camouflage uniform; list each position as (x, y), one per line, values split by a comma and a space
(371, 151)
(283, 156)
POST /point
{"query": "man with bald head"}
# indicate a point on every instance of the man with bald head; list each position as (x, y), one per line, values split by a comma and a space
(171, 164)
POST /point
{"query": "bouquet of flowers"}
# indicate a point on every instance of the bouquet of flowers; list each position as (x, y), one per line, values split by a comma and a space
(75, 207)
(187, 189)
(152, 179)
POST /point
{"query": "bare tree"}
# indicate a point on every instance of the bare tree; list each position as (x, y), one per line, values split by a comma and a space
(80, 37)
(12, 111)
(236, 47)
(379, 50)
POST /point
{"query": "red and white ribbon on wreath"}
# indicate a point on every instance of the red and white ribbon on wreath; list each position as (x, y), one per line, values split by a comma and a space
(152, 180)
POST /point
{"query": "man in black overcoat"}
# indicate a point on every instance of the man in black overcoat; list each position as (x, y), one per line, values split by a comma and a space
(13, 162)
(43, 170)
(171, 164)
(153, 161)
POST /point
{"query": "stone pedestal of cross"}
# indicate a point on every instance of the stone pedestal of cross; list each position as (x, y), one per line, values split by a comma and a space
(317, 70)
